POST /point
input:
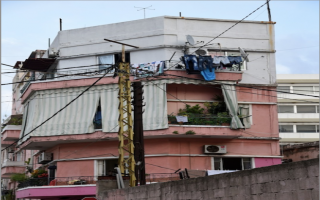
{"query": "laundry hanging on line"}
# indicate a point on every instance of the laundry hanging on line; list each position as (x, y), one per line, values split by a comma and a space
(146, 69)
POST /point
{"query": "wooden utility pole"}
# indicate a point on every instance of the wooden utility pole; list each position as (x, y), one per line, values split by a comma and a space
(269, 13)
(125, 132)
(138, 139)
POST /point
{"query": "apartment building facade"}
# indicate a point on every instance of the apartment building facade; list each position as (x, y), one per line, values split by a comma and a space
(298, 108)
(75, 143)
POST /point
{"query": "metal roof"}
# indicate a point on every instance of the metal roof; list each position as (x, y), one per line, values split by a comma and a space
(38, 64)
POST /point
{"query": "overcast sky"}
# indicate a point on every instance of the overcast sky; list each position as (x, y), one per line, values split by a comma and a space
(27, 25)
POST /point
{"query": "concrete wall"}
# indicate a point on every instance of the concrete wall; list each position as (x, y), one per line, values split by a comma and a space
(300, 152)
(292, 181)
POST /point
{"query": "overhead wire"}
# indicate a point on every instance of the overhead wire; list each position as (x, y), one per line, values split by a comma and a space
(57, 111)
(228, 29)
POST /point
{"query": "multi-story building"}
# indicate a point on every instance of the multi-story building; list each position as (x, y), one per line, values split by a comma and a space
(298, 107)
(76, 142)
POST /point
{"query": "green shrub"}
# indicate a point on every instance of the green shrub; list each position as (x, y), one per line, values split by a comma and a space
(190, 132)
(175, 132)
(18, 177)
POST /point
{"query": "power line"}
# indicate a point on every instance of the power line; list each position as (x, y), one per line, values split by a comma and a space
(227, 29)
(250, 87)
(57, 77)
(58, 110)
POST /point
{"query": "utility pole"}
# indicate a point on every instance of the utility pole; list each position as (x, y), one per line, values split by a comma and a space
(269, 13)
(144, 10)
(125, 132)
(138, 139)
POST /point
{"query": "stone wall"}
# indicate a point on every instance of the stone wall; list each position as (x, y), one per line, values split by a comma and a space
(299, 152)
(290, 181)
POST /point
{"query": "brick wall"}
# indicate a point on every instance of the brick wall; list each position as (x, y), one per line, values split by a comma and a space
(291, 181)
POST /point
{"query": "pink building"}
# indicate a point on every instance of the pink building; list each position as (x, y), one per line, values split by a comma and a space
(77, 147)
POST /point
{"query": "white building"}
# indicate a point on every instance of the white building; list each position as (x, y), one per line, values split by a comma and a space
(298, 114)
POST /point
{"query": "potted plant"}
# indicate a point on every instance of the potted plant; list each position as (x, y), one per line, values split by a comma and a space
(171, 119)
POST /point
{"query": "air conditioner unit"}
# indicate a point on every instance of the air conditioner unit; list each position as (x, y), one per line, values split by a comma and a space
(215, 149)
(44, 158)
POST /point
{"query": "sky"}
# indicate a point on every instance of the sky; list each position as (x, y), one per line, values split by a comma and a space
(27, 26)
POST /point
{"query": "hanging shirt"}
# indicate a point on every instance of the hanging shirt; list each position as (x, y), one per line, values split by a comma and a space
(191, 63)
(205, 62)
(208, 75)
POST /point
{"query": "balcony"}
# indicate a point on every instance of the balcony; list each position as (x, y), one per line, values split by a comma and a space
(68, 187)
(10, 167)
(299, 137)
(7, 171)
(26, 85)
(11, 132)
(5, 143)
(298, 117)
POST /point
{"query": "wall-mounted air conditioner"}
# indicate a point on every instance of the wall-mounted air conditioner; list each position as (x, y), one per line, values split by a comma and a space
(215, 149)
(44, 158)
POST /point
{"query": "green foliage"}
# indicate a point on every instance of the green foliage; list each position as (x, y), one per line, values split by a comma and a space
(27, 162)
(191, 110)
(172, 119)
(18, 177)
(190, 132)
(15, 121)
(8, 196)
(175, 132)
(223, 118)
(216, 107)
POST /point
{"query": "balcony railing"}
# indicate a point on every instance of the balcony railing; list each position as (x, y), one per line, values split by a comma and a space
(26, 85)
(201, 119)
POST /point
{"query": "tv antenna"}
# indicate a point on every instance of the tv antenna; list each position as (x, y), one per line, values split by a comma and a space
(144, 10)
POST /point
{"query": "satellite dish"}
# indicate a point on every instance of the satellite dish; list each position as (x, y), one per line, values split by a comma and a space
(190, 40)
(244, 54)
(201, 52)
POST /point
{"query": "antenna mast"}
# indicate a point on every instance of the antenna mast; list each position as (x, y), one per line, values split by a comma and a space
(144, 10)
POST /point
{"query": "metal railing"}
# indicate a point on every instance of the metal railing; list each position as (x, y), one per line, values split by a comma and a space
(26, 85)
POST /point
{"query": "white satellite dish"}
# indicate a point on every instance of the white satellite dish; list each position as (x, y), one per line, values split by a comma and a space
(244, 54)
(190, 40)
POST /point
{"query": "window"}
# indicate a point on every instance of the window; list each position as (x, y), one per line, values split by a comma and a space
(281, 89)
(306, 129)
(306, 109)
(285, 109)
(316, 89)
(286, 128)
(245, 112)
(106, 167)
(105, 61)
(97, 121)
(303, 89)
(232, 163)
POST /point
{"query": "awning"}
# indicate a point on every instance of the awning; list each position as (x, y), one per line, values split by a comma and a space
(38, 64)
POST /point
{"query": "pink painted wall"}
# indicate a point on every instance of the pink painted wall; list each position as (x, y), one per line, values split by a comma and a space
(264, 162)
(171, 153)
(75, 168)
(43, 192)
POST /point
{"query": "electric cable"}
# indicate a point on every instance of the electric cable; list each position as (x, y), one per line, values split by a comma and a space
(227, 29)
(218, 83)
(57, 111)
